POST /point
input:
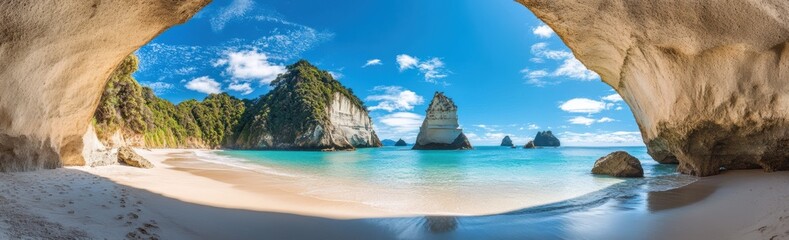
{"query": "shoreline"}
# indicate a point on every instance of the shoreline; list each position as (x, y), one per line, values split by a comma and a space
(172, 201)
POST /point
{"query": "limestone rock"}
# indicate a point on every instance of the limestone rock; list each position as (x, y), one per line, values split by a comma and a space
(440, 129)
(401, 143)
(546, 139)
(706, 80)
(529, 145)
(55, 59)
(506, 142)
(618, 164)
(126, 155)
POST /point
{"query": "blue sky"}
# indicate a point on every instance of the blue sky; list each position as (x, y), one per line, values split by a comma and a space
(507, 72)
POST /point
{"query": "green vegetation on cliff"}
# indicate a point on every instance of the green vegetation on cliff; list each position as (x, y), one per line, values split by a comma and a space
(295, 106)
(137, 111)
(287, 117)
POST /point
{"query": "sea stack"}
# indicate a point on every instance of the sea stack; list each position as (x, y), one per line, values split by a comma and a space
(546, 139)
(529, 145)
(506, 142)
(400, 143)
(440, 130)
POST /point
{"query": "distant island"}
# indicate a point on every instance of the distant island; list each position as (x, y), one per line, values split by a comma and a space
(401, 143)
(388, 142)
(546, 139)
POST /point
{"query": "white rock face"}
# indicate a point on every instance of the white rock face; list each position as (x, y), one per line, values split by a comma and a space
(55, 58)
(351, 123)
(440, 129)
(707, 81)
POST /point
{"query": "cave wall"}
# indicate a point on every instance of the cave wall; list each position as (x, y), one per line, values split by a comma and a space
(55, 58)
(707, 81)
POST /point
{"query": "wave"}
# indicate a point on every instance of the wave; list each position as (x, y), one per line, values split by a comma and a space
(212, 157)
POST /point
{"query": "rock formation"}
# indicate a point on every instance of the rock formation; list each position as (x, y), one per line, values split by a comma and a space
(306, 110)
(618, 164)
(706, 81)
(54, 61)
(506, 142)
(546, 139)
(388, 142)
(401, 143)
(126, 155)
(529, 145)
(440, 130)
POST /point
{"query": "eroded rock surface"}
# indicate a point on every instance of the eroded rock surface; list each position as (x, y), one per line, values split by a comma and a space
(706, 80)
(126, 155)
(440, 129)
(55, 58)
(618, 164)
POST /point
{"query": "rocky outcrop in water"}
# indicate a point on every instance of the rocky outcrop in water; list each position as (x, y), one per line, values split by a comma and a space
(618, 164)
(546, 139)
(401, 143)
(440, 129)
(306, 110)
(706, 80)
(388, 142)
(529, 145)
(506, 142)
(55, 58)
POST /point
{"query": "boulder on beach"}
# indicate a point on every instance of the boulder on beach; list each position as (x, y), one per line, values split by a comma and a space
(400, 143)
(127, 156)
(618, 164)
(506, 142)
(529, 145)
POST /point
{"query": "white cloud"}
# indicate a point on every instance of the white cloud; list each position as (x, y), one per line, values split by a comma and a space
(540, 49)
(573, 68)
(204, 84)
(401, 122)
(543, 31)
(433, 69)
(243, 88)
(373, 62)
(236, 9)
(535, 77)
(613, 98)
(185, 70)
(618, 138)
(619, 108)
(250, 65)
(393, 98)
(537, 60)
(605, 119)
(406, 62)
(580, 120)
(533, 126)
(583, 105)
(158, 87)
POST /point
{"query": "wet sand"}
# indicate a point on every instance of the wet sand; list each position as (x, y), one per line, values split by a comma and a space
(184, 199)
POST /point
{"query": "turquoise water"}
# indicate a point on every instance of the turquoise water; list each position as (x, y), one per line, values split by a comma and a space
(479, 181)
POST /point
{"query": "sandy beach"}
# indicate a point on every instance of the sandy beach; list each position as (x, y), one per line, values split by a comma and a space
(185, 198)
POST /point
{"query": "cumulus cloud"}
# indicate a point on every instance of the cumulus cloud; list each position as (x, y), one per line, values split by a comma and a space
(401, 122)
(404, 61)
(535, 77)
(243, 88)
(618, 138)
(250, 65)
(605, 119)
(158, 87)
(533, 126)
(580, 120)
(573, 68)
(373, 62)
(394, 98)
(236, 9)
(433, 69)
(541, 50)
(543, 31)
(613, 98)
(583, 105)
(204, 84)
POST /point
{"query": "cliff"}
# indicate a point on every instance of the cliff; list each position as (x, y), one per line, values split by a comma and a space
(506, 142)
(307, 110)
(706, 81)
(55, 59)
(440, 129)
(546, 139)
